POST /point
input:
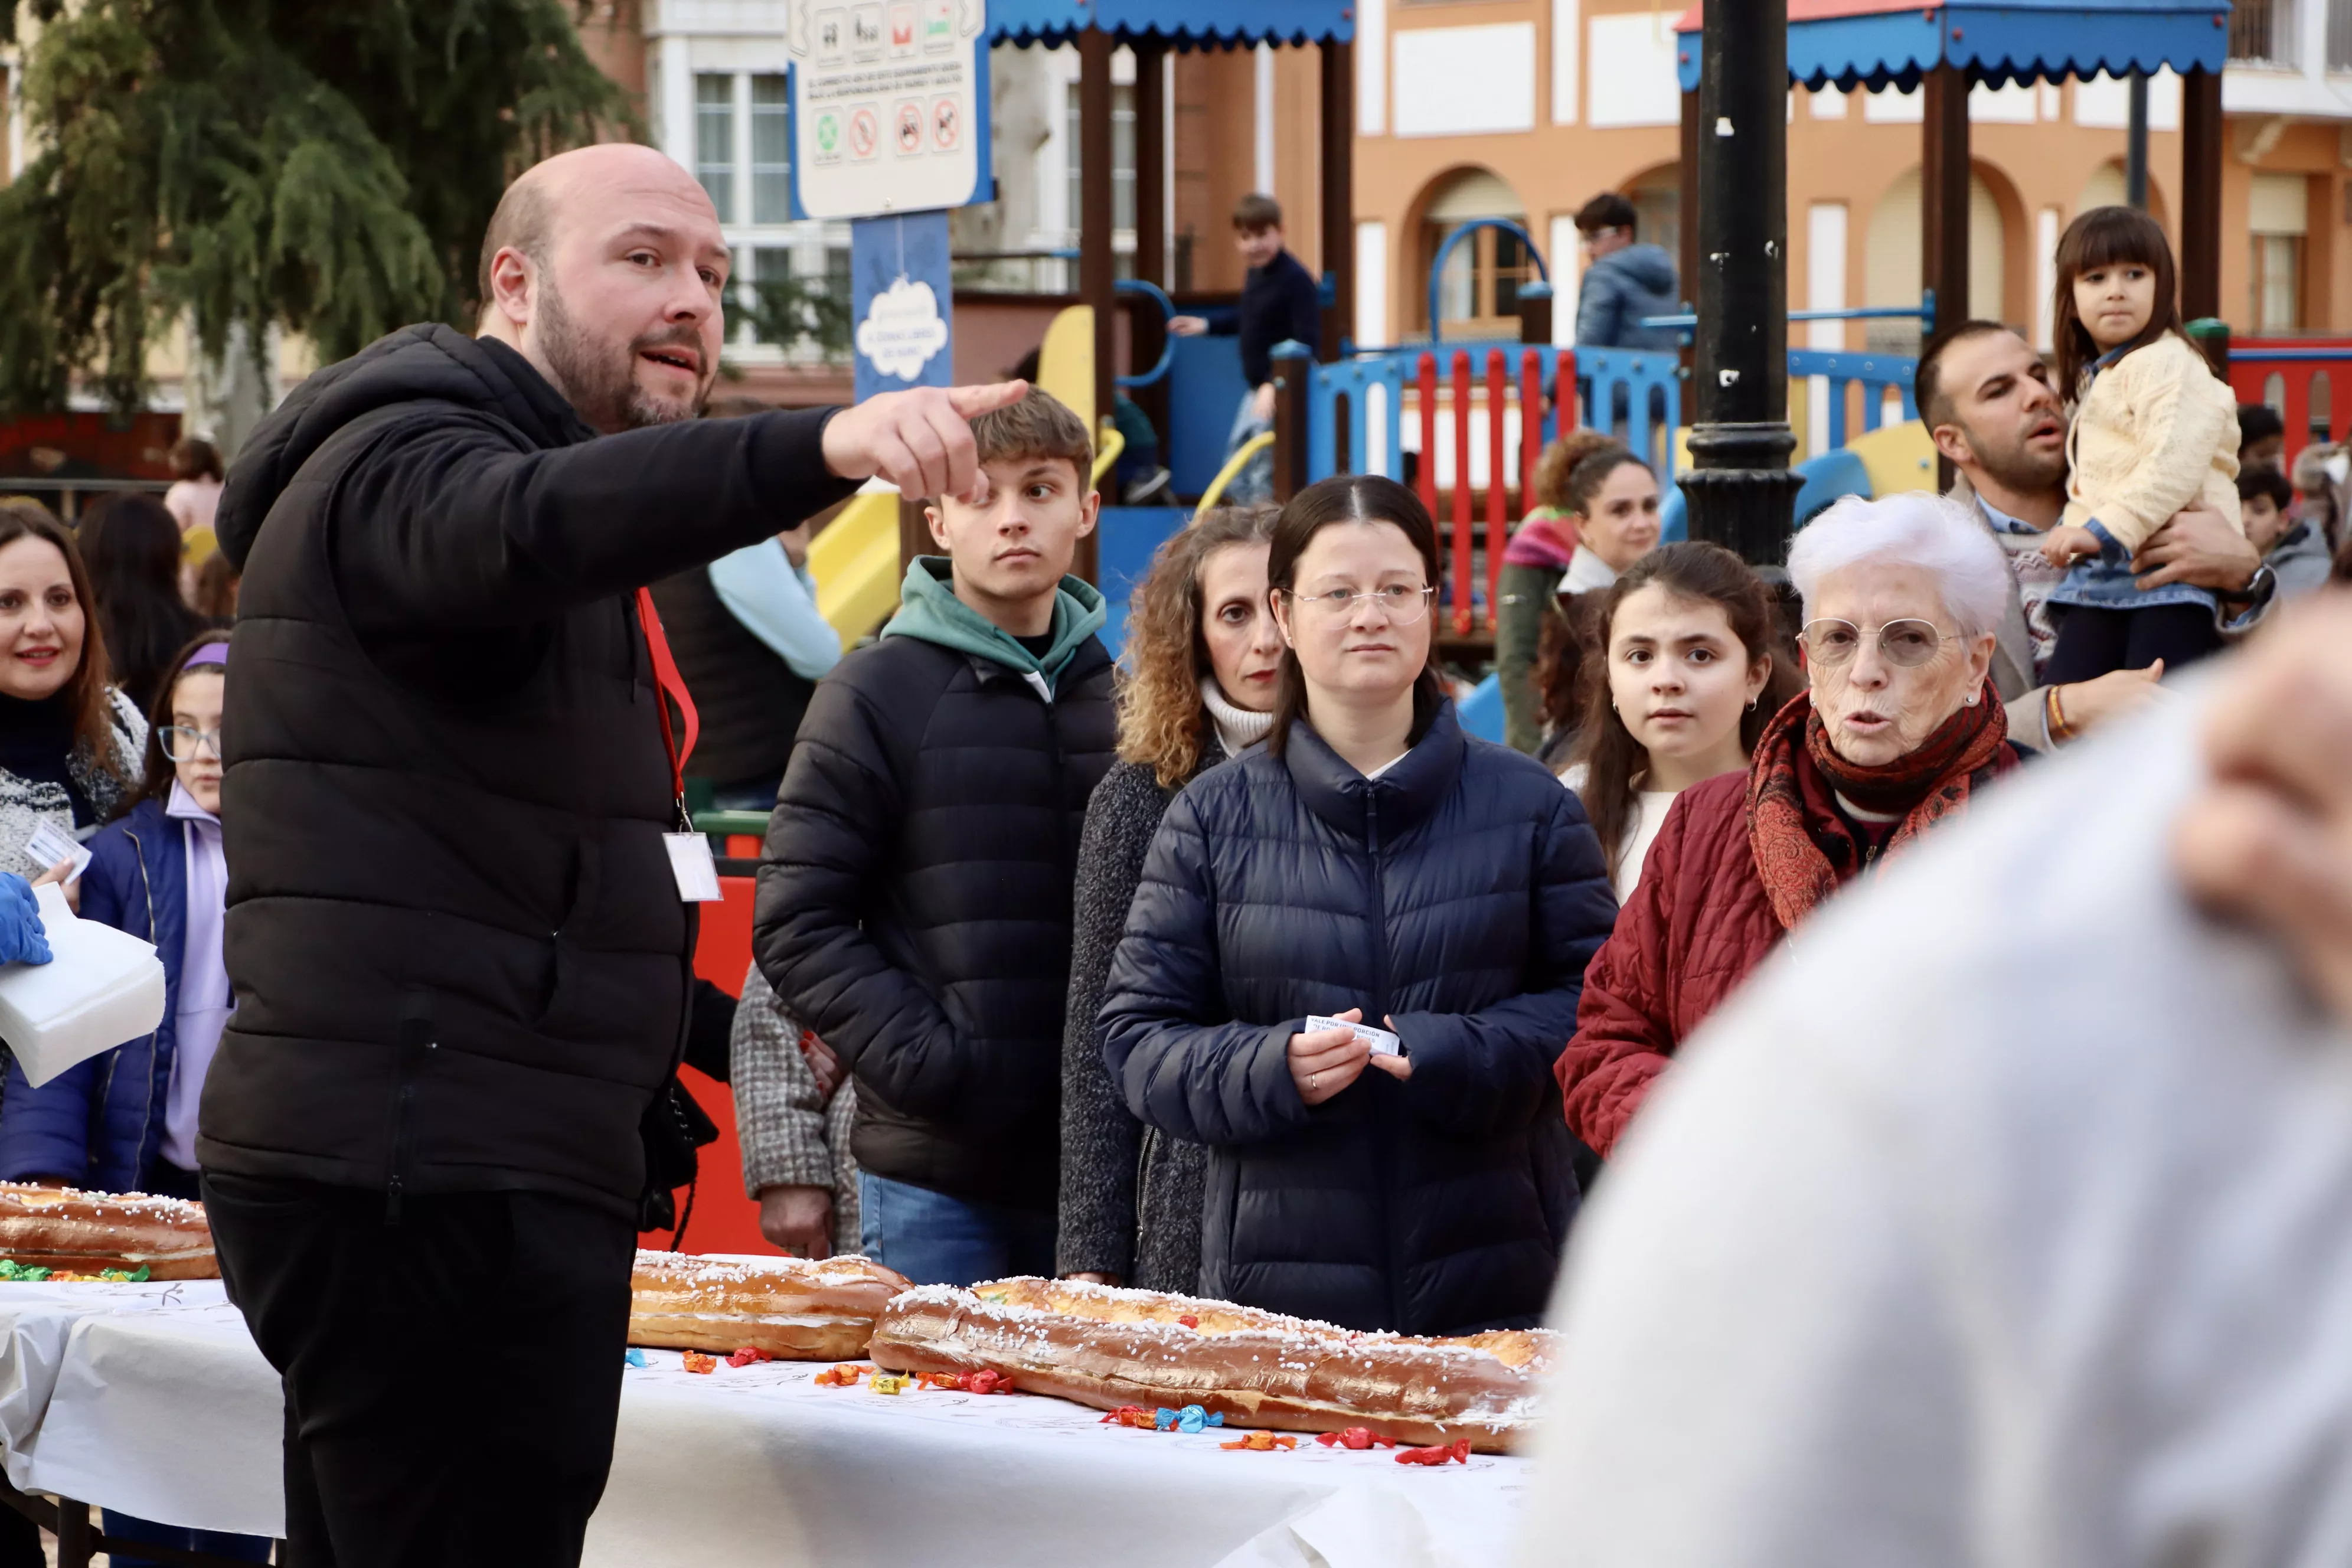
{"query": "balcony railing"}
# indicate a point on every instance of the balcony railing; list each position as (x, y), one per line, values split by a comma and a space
(2269, 32)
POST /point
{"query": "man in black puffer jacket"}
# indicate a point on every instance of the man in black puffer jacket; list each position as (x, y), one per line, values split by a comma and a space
(915, 896)
(460, 955)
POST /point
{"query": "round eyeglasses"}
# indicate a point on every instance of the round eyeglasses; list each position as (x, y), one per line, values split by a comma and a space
(183, 744)
(1403, 605)
(1905, 643)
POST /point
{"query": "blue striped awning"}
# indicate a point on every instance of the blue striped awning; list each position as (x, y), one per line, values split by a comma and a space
(1880, 43)
(1192, 22)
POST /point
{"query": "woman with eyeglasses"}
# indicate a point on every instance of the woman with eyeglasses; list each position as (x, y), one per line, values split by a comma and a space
(125, 1120)
(1896, 731)
(1373, 864)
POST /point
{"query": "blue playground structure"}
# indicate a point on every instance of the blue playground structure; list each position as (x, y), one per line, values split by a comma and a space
(1463, 421)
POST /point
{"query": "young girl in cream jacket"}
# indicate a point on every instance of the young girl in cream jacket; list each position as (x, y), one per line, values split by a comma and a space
(2154, 431)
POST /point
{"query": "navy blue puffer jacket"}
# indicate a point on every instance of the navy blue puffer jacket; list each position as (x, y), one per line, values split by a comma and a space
(99, 1123)
(1462, 893)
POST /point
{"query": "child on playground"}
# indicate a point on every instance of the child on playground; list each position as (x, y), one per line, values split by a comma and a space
(2154, 431)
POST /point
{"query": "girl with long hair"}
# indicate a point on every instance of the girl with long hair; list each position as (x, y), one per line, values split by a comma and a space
(1373, 864)
(1539, 556)
(1203, 654)
(1690, 681)
(2154, 431)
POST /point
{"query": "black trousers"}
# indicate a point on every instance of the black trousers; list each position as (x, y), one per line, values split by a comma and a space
(519, 1299)
(2093, 642)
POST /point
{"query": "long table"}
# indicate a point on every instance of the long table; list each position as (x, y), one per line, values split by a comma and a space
(152, 1399)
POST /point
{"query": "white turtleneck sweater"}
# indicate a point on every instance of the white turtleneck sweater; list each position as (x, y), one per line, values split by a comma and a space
(1238, 729)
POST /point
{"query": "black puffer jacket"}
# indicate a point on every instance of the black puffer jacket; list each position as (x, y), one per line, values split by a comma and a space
(459, 957)
(1462, 892)
(914, 904)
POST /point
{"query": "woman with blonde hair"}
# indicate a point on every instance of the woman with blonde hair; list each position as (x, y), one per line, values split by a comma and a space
(1203, 656)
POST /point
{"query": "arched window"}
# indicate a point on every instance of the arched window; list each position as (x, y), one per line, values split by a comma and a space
(1479, 294)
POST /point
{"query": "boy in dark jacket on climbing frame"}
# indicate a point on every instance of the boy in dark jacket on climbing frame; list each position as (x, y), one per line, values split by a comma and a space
(914, 898)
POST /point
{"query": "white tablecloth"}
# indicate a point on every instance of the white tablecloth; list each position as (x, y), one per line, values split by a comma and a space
(152, 1399)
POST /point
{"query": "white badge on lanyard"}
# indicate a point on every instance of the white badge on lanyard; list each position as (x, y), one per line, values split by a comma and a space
(691, 863)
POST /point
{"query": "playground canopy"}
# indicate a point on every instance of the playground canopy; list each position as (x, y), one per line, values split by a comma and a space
(1881, 43)
(1945, 46)
(1150, 28)
(1183, 23)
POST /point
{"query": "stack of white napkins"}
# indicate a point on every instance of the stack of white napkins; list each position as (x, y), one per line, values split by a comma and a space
(100, 987)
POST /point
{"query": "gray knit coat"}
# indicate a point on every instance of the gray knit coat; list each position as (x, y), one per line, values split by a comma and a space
(791, 1136)
(1131, 1195)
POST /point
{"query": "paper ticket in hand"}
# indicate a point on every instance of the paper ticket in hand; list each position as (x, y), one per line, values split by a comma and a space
(1383, 1043)
(51, 843)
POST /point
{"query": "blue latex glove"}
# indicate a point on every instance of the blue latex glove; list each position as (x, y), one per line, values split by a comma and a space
(22, 940)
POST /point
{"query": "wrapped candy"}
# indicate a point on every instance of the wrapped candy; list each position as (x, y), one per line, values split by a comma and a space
(747, 1355)
(845, 1376)
(1264, 1443)
(1457, 1451)
(891, 1383)
(1356, 1437)
(697, 1361)
(638, 1358)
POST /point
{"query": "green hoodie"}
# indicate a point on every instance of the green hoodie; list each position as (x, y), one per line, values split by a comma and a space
(929, 609)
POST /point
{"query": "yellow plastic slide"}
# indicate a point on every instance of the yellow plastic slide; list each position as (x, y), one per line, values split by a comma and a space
(855, 563)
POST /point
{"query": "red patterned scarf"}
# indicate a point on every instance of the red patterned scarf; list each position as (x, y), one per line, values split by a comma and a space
(1804, 850)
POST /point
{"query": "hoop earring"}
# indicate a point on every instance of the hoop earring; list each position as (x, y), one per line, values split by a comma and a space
(1754, 701)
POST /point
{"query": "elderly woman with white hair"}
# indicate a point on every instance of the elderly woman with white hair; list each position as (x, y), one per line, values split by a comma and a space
(1897, 727)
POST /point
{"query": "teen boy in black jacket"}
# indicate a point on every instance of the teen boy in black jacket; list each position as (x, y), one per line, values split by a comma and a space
(915, 896)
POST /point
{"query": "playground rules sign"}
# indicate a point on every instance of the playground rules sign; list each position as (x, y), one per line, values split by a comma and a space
(889, 105)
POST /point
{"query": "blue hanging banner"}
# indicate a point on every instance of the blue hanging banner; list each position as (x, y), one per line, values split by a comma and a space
(902, 284)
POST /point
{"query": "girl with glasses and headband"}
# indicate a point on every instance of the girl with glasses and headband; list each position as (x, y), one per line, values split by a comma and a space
(1896, 731)
(1375, 864)
(125, 1120)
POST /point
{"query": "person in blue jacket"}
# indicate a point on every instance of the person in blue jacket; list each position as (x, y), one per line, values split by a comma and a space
(125, 1120)
(1374, 863)
(1624, 280)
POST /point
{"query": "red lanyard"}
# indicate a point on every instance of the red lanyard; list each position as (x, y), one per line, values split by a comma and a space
(673, 686)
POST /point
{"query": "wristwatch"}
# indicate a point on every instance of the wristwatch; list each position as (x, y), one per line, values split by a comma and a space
(2258, 586)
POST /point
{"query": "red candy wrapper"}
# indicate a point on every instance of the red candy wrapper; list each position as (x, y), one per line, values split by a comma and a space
(1458, 1451)
(1357, 1437)
(747, 1355)
(1129, 1415)
(980, 1382)
(697, 1361)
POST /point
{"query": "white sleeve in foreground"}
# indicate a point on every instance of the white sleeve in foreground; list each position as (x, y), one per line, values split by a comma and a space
(1755, 1371)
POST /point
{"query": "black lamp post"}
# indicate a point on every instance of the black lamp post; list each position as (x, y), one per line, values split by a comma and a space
(1741, 489)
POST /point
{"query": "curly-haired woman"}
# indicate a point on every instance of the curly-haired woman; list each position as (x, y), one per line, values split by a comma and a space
(1539, 556)
(1203, 654)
